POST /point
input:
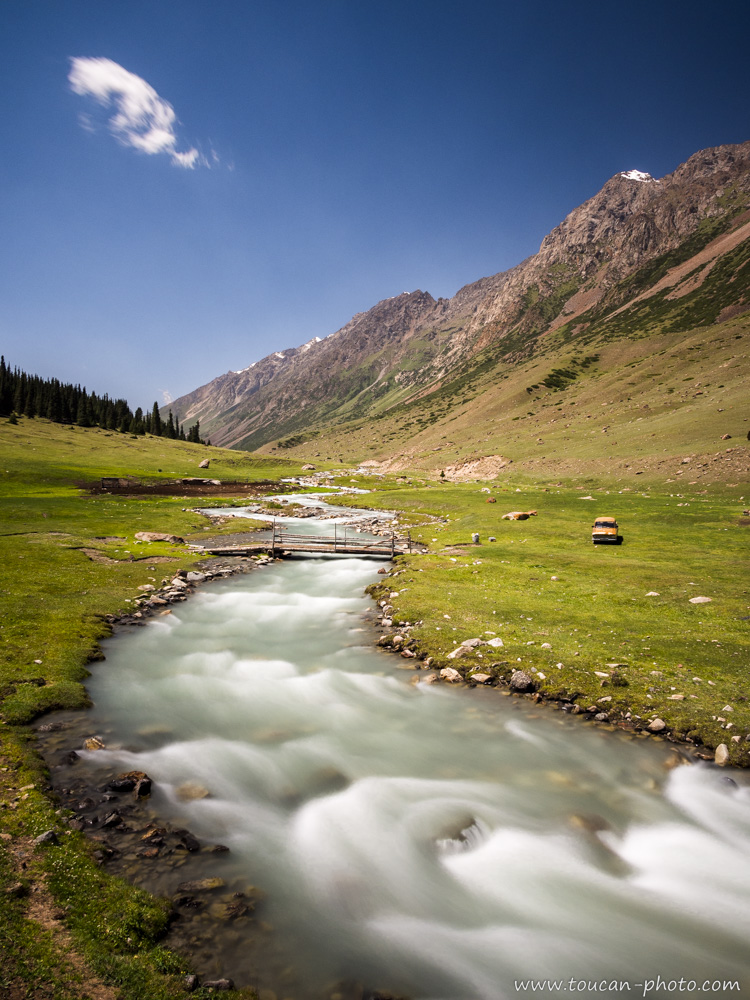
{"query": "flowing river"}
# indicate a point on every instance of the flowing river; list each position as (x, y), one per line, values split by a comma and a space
(440, 843)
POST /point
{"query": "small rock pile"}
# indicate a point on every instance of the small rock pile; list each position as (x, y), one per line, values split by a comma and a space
(156, 600)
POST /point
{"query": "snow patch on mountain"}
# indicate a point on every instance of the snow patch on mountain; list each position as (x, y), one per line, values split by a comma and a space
(636, 175)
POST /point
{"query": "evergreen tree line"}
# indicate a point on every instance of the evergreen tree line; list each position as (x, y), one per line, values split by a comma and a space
(32, 396)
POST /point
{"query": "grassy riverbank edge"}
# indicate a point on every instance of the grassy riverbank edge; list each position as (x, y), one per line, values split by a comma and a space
(600, 630)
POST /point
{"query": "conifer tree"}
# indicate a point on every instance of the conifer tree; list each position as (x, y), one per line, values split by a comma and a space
(156, 424)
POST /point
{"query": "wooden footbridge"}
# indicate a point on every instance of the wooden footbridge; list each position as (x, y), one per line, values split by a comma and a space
(344, 543)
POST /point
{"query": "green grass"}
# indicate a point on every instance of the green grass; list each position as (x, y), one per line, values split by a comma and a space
(596, 611)
(55, 596)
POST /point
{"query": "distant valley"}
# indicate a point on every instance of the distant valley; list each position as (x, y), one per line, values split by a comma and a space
(621, 343)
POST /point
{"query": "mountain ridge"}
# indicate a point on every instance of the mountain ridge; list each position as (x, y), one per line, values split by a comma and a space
(600, 261)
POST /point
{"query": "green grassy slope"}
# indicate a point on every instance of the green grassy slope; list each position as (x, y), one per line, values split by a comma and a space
(640, 402)
(625, 381)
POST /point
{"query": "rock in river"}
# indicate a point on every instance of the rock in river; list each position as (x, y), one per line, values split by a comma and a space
(201, 885)
(137, 781)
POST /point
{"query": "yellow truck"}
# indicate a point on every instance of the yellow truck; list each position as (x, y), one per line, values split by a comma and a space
(605, 530)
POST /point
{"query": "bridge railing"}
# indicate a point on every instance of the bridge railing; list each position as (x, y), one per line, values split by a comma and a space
(338, 540)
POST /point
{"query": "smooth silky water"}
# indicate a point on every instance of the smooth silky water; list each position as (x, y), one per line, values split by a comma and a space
(438, 842)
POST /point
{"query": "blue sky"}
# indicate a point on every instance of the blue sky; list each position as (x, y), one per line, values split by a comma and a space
(278, 166)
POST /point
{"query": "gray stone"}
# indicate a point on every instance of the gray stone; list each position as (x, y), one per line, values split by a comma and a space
(481, 678)
(701, 600)
(721, 756)
(218, 984)
(449, 674)
(49, 837)
(521, 681)
(657, 726)
(459, 651)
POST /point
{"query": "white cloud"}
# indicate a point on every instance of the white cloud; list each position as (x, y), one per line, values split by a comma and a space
(166, 396)
(142, 119)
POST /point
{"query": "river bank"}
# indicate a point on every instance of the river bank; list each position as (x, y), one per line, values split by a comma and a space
(381, 814)
(653, 631)
(58, 618)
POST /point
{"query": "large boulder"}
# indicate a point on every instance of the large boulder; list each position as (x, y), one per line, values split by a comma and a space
(204, 464)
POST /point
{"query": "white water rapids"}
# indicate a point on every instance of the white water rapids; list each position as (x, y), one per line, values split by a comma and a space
(440, 843)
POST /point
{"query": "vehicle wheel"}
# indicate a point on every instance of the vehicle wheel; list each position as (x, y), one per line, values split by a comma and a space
(619, 539)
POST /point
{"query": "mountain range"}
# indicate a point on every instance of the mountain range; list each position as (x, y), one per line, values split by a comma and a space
(642, 281)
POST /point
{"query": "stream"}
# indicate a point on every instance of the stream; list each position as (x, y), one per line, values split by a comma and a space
(440, 843)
